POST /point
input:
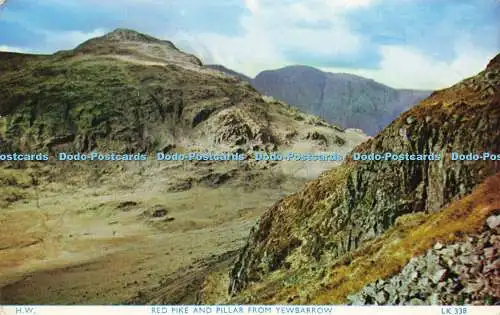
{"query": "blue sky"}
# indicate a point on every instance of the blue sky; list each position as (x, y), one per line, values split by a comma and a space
(427, 44)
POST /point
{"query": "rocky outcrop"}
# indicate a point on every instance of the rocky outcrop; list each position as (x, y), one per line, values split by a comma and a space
(238, 127)
(461, 273)
(346, 207)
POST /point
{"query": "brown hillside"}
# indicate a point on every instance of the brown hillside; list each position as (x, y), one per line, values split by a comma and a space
(347, 207)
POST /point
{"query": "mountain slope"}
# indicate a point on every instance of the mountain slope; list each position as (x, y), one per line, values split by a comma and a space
(127, 91)
(348, 100)
(352, 205)
(107, 232)
(230, 72)
(425, 258)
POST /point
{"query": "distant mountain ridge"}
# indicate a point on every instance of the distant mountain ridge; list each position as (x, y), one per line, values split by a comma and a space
(345, 99)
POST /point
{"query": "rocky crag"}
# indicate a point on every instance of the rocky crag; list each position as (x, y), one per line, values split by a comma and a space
(348, 207)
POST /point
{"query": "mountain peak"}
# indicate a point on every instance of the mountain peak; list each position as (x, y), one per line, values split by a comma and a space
(128, 44)
(121, 35)
(125, 34)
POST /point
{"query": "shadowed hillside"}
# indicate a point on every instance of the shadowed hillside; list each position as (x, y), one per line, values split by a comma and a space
(344, 99)
(317, 232)
(348, 100)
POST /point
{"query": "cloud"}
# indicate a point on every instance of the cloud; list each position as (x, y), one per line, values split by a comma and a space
(279, 33)
(348, 4)
(272, 29)
(406, 44)
(405, 67)
(252, 5)
(64, 40)
(6, 48)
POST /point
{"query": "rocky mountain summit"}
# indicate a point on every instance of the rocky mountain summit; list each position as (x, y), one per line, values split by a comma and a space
(349, 207)
(126, 91)
(130, 45)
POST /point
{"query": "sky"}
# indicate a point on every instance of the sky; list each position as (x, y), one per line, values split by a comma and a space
(419, 44)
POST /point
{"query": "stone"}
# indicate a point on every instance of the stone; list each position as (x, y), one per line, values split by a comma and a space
(370, 291)
(416, 301)
(489, 252)
(391, 290)
(393, 300)
(125, 205)
(476, 259)
(447, 274)
(424, 282)
(474, 269)
(182, 185)
(449, 252)
(451, 263)
(492, 266)
(493, 221)
(159, 213)
(434, 299)
(413, 276)
(404, 292)
(438, 246)
(473, 287)
(432, 260)
(338, 140)
(410, 120)
(441, 286)
(381, 297)
(466, 260)
(356, 299)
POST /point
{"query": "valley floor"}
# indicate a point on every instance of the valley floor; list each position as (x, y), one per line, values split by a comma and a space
(115, 243)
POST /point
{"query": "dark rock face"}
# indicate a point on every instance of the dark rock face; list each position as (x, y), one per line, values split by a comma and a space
(347, 100)
(359, 201)
(462, 273)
